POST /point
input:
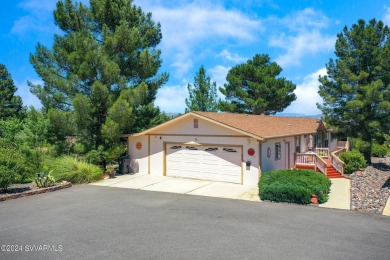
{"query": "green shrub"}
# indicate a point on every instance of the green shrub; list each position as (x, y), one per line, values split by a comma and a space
(14, 167)
(378, 150)
(71, 169)
(294, 186)
(353, 160)
(44, 179)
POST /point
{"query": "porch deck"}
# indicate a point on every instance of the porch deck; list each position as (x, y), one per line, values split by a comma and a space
(322, 160)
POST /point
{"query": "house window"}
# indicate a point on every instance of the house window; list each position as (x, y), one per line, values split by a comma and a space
(297, 144)
(195, 123)
(278, 151)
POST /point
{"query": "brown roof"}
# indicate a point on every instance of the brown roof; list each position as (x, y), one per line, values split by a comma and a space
(265, 126)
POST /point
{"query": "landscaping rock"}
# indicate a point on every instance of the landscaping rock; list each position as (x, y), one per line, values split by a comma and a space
(370, 188)
(31, 190)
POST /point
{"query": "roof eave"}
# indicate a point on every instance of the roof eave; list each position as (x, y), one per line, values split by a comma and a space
(287, 135)
(150, 130)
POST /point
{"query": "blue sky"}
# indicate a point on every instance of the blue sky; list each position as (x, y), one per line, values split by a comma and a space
(298, 35)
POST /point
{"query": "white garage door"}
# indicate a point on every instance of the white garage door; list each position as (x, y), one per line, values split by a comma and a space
(217, 163)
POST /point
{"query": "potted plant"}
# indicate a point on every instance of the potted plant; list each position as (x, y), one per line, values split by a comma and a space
(110, 170)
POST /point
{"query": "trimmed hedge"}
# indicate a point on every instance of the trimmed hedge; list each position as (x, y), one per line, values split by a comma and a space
(353, 160)
(294, 186)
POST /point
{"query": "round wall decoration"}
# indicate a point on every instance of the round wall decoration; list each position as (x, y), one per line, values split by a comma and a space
(138, 146)
(251, 152)
(269, 152)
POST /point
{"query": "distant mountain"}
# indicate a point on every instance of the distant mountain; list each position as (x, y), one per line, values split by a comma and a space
(318, 116)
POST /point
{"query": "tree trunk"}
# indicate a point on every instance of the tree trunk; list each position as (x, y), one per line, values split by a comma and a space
(367, 152)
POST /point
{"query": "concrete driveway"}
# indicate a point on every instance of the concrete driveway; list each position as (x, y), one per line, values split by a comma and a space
(183, 186)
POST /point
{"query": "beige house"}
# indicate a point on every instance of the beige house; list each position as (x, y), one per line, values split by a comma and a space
(234, 148)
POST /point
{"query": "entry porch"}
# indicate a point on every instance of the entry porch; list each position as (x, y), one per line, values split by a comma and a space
(323, 159)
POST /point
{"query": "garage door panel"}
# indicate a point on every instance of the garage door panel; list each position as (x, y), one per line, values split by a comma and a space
(215, 163)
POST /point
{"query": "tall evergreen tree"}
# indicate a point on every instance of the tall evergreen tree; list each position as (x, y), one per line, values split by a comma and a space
(253, 88)
(10, 104)
(106, 49)
(203, 94)
(356, 91)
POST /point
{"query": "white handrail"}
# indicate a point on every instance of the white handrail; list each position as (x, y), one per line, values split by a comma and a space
(305, 159)
(322, 152)
(321, 164)
(311, 160)
(336, 162)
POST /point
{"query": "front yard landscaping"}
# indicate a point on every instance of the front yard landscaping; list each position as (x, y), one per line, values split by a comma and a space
(19, 190)
(57, 173)
(294, 186)
(370, 187)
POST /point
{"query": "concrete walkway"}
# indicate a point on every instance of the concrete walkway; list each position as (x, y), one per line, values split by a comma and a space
(183, 186)
(340, 195)
(386, 210)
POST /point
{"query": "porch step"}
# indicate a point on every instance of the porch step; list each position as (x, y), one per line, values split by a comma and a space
(332, 173)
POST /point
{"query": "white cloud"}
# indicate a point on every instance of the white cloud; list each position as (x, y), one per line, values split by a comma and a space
(297, 46)
(386, 16)
(304, 36)
(39, 19)
(172, 98)
(232, 56)
(218, 74)
(307, 95)
(190, 29)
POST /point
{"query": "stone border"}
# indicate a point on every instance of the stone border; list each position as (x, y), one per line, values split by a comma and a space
(37, 191)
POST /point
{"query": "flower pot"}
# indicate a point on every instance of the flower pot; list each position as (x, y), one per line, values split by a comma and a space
(314, 199)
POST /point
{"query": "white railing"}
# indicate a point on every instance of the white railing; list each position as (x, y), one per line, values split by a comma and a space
(305, 159)
(322, 152)
(321, 164)
(336, 162)
(310, 160)
(343, 145)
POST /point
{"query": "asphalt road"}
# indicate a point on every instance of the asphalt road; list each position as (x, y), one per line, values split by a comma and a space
(89, 222)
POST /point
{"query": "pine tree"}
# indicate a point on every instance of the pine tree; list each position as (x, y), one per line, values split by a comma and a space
(106, 49)
(253, 88)
(203, 94)
(356, 91)
(10, 104)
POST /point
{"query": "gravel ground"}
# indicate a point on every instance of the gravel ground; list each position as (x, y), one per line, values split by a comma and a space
(371, 187)
(19, 188)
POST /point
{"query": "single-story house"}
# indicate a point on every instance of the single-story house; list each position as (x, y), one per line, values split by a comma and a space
(226, 147)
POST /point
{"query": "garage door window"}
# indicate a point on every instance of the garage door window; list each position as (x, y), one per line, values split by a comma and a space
(211, 149)
(230, 150)
(175, 147)
(191, 148)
